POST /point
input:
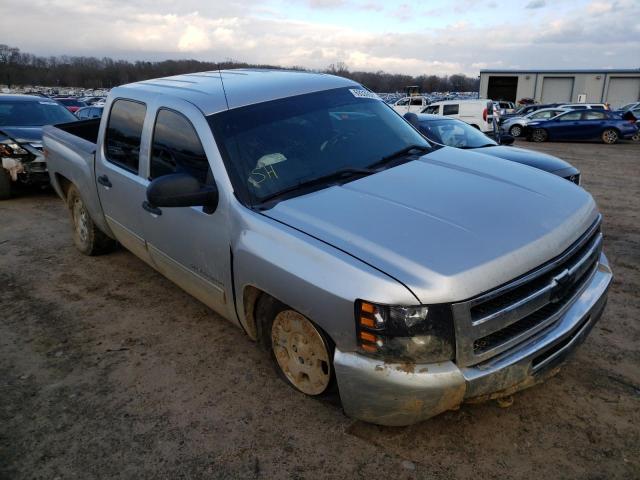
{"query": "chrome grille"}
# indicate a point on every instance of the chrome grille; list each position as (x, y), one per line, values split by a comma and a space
(500, 319)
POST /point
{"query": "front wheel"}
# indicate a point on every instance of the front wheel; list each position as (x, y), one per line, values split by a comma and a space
(636, 137)
(539, 135)
(300, 351)
(609, 136)
(515, 131)
(88, 238)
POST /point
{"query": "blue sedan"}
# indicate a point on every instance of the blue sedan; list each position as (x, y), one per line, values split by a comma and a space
(582, 125)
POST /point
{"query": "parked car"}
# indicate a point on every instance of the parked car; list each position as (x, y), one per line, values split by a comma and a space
(522, 111)
(92, 100)
(89, 112)
(21, 121)
(410, 104)
(581, 125)
(515, 125)
(504, 107)
(584, 106)
(455, 133)
(71, 104)
(633, 107)
(302, 208)
(477, 113)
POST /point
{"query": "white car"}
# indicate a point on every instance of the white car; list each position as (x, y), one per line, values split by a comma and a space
(477, 113)
(514, 125)
(414, 104)
(585, 106)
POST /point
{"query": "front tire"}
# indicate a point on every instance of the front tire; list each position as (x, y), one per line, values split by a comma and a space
(539, 135)
(609, 136)
(87, 237)
(515, 131)
(300, 352)
(5, 184)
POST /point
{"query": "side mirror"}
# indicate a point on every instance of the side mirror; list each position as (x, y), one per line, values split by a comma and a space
(181, 190)
(506, 139)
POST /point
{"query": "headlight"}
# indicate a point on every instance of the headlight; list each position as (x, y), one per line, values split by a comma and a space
(405, 333)
(12, 150)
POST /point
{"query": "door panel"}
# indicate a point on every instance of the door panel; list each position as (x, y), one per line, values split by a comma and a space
(187, 245)
(119, 187)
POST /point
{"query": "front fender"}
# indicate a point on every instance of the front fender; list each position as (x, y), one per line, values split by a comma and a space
(314, 278)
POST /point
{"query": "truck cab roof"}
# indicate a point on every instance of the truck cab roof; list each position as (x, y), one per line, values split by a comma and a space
(219, 90)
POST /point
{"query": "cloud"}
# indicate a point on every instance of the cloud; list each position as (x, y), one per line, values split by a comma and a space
(536, 4)
(257, 31)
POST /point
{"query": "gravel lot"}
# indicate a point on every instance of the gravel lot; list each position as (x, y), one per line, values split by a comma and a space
(107, 370)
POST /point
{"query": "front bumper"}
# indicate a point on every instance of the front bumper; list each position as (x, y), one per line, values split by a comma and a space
(401, 394)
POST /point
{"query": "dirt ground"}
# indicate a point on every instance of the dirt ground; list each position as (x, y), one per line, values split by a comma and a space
(107, 370)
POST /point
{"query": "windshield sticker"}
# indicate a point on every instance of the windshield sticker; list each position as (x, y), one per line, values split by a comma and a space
(361, 93)
(47, 103)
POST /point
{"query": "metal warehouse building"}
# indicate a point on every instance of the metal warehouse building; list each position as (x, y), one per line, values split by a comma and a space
(616, 87)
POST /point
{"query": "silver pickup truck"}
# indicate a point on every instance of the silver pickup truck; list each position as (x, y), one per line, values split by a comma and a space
(303, 209)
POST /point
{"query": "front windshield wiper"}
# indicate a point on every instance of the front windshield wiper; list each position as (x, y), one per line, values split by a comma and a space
(467, 147)
(342, 175)
(399, 154)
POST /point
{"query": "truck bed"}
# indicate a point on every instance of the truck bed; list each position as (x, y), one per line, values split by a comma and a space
(70, 153)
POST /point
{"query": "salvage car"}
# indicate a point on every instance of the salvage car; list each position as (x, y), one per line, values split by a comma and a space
(21, 120)
(455, 133)
(303, 209)
(582, 125)
(515, 125)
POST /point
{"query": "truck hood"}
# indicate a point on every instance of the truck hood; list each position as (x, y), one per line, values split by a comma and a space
(447, 226)
(545, 162)
(23, 134)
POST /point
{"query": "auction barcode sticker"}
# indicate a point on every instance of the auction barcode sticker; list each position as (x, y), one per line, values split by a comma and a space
(361, 93)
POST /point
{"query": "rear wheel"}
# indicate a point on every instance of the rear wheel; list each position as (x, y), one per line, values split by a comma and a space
(88, 238)
(539, 135)
(5, 184)
(609, 136)
(300, 351)
(515, 131)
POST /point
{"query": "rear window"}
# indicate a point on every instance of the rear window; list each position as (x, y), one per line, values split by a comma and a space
(124, 131)
(451, 109)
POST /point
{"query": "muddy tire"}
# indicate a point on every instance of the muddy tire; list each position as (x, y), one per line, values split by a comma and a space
(5, 184)
(301, 353)
(610, 136)
(88, 238)
(515, 131)
(539, 135)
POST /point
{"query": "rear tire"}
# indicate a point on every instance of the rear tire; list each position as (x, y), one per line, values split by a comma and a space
(515, 131)
(5, 184)
(539, 135)
(609, 136)
(301, 353)
(87, 237)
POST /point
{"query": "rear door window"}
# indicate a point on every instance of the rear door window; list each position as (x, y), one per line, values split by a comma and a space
(451, 109)
(124, 131)
(176, 148)
(570, 116)
(432, 109)
(593, 115)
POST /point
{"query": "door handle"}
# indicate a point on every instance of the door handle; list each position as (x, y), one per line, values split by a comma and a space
(104, 180)
(151, 209)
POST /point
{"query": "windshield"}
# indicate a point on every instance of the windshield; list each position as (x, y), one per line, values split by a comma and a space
(21, 113)
(274, 146)
(455, 133)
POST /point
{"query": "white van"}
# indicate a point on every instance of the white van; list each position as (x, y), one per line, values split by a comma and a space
(414, 104)
(477, 113)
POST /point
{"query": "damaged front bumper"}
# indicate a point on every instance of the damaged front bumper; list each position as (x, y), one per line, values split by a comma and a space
(31, 171)
(401, 394)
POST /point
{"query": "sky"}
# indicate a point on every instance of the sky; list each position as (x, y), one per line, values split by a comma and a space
(412, 37)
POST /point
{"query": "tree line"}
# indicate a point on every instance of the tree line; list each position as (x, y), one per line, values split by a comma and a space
(25, 69)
